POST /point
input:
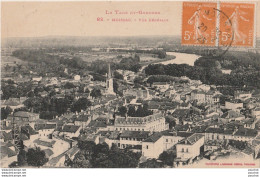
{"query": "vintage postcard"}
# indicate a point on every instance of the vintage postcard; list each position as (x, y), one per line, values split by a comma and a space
(120, 84)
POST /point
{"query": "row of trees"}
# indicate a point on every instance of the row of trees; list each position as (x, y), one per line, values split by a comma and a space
(100, 156)
(51, 107)
(131, 111)
(208, 75)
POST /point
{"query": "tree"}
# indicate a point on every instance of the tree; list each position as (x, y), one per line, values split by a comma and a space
(80, 161)
(117, 75)
(167, 158)
(86, 146)
(81, 104)
(69, 85)
(115, 86)
(22, 159)
(151, 163)
(95, 93)
(131, 111)
(36, 157)
(31, 94)
(5, 112)
(170, 121)
(100, 156)
(61, 105)
(48, 115)
(122, 111)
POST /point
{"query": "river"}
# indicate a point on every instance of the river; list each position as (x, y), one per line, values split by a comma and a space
(181, 58)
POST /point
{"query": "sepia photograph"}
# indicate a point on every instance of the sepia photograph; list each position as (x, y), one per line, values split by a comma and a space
(121, 84)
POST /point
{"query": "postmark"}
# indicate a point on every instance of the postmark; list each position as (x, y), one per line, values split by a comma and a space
(241, 20)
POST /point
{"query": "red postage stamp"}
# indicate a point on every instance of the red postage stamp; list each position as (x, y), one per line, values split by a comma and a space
(199, 23)
(240, 18)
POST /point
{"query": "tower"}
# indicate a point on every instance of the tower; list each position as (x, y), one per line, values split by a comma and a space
(109, 83)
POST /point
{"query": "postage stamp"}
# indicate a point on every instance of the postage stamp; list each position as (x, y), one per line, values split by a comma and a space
(218, 24)
(199, 23)
(241, 20)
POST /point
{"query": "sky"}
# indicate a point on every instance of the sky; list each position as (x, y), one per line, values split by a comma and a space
(36, 19)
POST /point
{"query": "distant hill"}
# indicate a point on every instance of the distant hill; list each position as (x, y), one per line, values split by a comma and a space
(54, 41)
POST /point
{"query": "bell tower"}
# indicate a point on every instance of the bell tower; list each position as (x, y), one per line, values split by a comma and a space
(109, 82)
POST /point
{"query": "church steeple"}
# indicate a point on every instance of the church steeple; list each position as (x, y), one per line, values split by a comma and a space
(109, 85)
(109, 72)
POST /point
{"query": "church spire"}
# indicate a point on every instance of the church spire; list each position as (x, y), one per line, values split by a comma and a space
(109, 85)
(109, 72)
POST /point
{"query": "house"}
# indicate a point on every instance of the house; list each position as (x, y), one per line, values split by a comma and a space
(218, 134)
(189, 148)
(37, 79)
(12, 103)
(29, 132)
(256, 113)
(46, 130)
(245, 134)
(231, 116)
(90, 137)
(111, 137)
(242, 95)
(235, 105)
(161, 85)
(23, 118)
(59, 161)
(198, 95)
(250, 123)
(158, 142)
(152, 147)
(57, 145)
(70, 131)
(133, 139)
(82, 121)
(43, 93)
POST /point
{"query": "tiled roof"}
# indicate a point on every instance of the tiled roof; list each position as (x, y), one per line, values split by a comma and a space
(48, 152)
(214, 130)
(138, 120)
(182, 127)
(70, 128)
(231, 114)
(97, 124)
(88, 137)
(28, 129)
(154, 137)
(192, 139)
(44, 143)
(134, 134)
(45, 126)
(11, 103)
(180, 113)
(82, 118)
(7, 136)
(24, 114)
(246, 132)
(6, 151)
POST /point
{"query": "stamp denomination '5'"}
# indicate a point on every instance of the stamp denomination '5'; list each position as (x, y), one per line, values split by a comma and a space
(198, 23)
(241, 20)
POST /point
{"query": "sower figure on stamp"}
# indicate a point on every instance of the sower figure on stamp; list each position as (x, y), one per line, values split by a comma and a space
(199, 26)
(234, 18)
